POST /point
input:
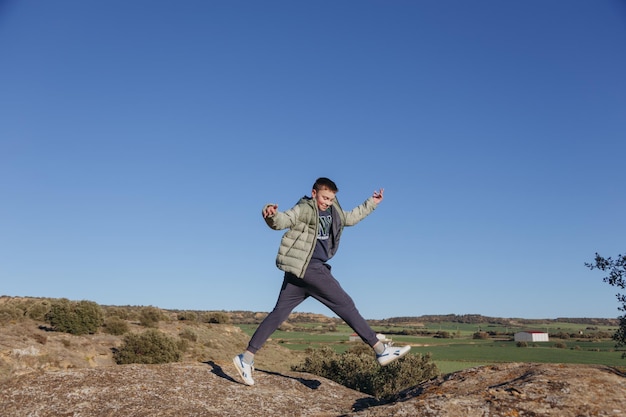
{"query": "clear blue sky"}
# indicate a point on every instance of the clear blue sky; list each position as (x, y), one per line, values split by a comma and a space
(139, 141)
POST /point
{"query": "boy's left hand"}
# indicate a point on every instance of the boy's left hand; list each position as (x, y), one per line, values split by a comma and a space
(378, 195)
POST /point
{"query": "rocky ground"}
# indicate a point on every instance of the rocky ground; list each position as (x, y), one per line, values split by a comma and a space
(46, 374)
(212, 389)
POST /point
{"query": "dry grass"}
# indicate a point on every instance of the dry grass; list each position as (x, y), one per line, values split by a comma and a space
(27, 345)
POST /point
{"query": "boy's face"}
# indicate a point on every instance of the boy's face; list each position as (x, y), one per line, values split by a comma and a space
(324, 198)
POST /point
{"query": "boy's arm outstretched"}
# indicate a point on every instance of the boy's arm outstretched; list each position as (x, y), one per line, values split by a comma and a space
(279, 220)
(360, 212)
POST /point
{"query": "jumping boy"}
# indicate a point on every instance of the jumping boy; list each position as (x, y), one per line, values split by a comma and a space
(315, 224)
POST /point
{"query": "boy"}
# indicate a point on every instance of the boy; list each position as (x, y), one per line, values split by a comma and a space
(315, 225)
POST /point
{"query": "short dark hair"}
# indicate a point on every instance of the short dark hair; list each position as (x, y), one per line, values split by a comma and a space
(325, 183)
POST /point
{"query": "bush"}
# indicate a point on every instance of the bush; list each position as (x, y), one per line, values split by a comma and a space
(82, 317)
(480, 335)
(522, 344)
(560, 345)
(188, 334)
(187, 315)
(115, 326)
(362, 373)
(150, 317)
(149, 347)
(38, 310)
(9, 313)
(360, 348)
(124, 313)
(217, 317)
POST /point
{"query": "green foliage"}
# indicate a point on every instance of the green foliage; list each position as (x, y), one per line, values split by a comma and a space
(617, 278)
(361, 372)
(521, 344)
(149, 347)
(82, 317)
(150, 317)
(480, 335)
(115, 326)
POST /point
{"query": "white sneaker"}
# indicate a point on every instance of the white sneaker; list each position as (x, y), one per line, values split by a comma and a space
(391, 354)
(244, 369)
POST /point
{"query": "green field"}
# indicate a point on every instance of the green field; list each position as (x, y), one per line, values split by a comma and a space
(462, 351)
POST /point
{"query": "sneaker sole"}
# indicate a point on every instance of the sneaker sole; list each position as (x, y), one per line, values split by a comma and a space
(235, 359)
(392, 358)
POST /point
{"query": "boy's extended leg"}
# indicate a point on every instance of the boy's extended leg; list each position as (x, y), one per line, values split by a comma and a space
(290, 296)
(325, 288)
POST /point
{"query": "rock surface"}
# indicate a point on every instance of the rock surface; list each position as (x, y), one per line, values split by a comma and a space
(211, 389)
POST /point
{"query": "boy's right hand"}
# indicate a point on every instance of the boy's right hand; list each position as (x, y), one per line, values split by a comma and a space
(270, 210)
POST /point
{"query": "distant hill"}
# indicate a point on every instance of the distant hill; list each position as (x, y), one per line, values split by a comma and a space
(251, 317)
(478, 319)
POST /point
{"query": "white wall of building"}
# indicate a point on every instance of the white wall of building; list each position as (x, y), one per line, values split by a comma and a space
(531, 337)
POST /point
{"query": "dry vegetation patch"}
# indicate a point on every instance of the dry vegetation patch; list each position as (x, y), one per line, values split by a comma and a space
(45, 373)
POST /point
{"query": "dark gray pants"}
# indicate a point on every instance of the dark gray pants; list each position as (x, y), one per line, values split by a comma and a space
(318, 283)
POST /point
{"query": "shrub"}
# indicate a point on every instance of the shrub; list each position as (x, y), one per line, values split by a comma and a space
(124, 313)
(560, 345)
(183, 345)
(150, 317)
(115, 326)
(217, 317)
(480, 335)
(38, 310)
(82, 317)
(360, 348)
(187, 315)
(188, 334)
(149, 347)
(9, 313)
(362, 373)
(522, 344)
